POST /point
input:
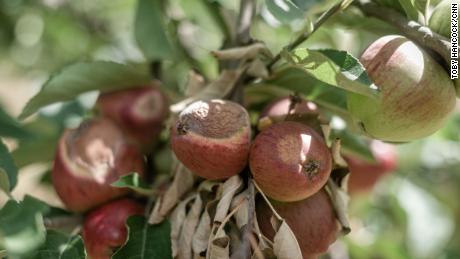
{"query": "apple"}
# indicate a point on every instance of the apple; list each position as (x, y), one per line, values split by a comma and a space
(281, 107)
(212, 138)
(105, 227)
(313, 222)
(139, 111)
(290, 161)
(88, 159)
(416, 94)
(364, 174)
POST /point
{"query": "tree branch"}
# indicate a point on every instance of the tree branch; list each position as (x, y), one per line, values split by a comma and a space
(247, 12)
(243, 37)
(413, 30)
(304, 36)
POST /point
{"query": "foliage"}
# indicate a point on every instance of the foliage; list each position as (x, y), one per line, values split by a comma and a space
(126, 39)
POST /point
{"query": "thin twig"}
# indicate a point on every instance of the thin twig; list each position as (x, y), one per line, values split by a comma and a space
(413, 30)
(304, 36)
(247, 12)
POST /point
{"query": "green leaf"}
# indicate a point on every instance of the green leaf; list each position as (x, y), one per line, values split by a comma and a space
(21, 226)
(298, 80)
(42, 147)
(145, 240)
(284, 11)
(83, 77)
(59, 245)
(8, 170)
(410, 9)
(150, 30)
(353, 144)
(9, 127)
(134, 181)
(47, 130)
(336, 68)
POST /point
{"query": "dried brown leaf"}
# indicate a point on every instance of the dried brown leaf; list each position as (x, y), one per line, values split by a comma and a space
(336, 154)
(177, 220)
(182, 183)
(219, 248)
(229, 188)
(340, 200)
(285, 245)
(326, 129)
(241, 216)
(188, 228)
(202, 233)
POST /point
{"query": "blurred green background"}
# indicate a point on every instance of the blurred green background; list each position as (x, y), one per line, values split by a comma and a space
(413, 213)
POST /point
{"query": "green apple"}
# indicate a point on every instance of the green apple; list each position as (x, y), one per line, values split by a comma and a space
(416, 93)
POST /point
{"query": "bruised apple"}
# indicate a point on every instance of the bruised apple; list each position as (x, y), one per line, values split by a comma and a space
(313, 222)
(104, 228)
(90, 158)
(212, 138)
(290, 161)
(416, 94)
(139, 111)
(364, 174)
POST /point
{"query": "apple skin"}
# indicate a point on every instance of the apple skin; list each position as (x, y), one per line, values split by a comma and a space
(279, 108)
(417, 95)
(90, 158)
(104, 228)
(313, 222)
(212, 138)
(290, 161)
(364, 174)
(139, 111)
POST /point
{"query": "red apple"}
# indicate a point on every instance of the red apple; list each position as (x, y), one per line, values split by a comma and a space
(312, 221)
(90, 158)
(290, 161)
(416, 94)
(212, 138)
(364, 174)
(104, 228)
(140, 111)
(281, 107)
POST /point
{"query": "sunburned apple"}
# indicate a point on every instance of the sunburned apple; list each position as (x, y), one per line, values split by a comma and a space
(364, 174)
(104, 228)
(90, 158)
(139, 111)
(416, 94)
(212, 138)
(290, 161)
(313, 222)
